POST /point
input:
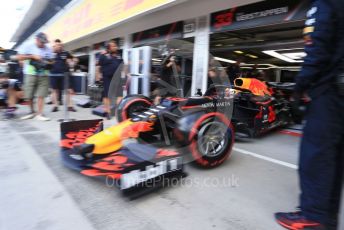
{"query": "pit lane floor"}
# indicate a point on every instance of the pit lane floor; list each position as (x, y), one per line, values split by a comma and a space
(38, 192)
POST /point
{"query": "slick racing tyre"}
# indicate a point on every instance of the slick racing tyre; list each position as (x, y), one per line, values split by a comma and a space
(212, 139)
(131, 106)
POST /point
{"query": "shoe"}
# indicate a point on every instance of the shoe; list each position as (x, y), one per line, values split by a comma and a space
(55, 109)
(71, 109)
(61, 103)
(296, 221)
(49, 103)
(28, 116)
(9, 114)
(11, 109)
(40, 117)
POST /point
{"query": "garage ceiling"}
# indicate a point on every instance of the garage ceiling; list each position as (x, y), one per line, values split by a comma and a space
(248, 45)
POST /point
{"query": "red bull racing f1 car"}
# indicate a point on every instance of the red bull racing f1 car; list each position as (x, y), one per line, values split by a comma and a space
(134, 152)
(260, 107)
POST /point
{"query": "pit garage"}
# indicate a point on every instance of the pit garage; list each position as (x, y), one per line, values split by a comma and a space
(266, 44)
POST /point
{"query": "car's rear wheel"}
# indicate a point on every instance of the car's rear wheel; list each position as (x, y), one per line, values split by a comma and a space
(212, 138)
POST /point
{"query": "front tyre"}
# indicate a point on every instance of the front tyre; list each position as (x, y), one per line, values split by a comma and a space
(131, 106)
(212, 139)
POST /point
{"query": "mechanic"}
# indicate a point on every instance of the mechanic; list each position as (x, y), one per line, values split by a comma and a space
(3, 82)
(62, 61)
(213, 76)
(233, 71)
(11, 78)
(107, 65)
(322, 147)
(167, 84)
(217, 77)
(37, 59)
(13, 95)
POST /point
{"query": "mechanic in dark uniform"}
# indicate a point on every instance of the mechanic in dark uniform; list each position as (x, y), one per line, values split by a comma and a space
(108, 64)
(322, 147)
(169, 71)
(59, 68)
(233, 71)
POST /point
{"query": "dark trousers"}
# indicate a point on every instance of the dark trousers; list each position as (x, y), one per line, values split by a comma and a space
(321, 159)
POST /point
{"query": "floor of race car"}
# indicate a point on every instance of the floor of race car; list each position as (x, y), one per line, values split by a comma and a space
(38, 192)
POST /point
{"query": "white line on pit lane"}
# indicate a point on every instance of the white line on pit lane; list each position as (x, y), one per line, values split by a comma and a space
(286, 164)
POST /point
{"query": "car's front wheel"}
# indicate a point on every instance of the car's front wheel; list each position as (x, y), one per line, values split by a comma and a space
(131, 106)
(212, 138)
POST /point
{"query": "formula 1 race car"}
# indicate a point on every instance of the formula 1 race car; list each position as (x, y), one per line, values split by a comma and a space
(130, 152)
(260, 107)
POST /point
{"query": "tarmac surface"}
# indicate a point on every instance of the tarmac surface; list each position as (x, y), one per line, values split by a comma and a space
(38, 192)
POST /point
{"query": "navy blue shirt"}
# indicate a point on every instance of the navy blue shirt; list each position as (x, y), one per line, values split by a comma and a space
(109, 64)
(324, 40)
(60, 63)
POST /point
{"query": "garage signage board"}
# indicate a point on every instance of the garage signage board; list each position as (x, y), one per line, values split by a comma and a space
(259, 14)
(92, 16)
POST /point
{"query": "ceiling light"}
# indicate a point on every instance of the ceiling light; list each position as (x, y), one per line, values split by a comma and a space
(270, 65)
(281, 56)
(238, 52)
(251, 56)
(290, 68)
(224, 60)
(260, 40)
(156, 59)
(296, 55)
(218, 45)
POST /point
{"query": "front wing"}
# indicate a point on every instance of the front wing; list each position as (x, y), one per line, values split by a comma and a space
(133, 166)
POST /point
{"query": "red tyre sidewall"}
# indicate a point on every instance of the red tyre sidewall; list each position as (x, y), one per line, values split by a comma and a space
(197, 156)
(124, 111)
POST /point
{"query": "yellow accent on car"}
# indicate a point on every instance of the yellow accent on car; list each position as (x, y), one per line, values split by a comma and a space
(109, 140)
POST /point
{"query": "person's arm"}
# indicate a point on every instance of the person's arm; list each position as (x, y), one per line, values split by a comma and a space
(26, 54)
(98, 68)
(24, 57)
(48, 59)
(171, 62)
(98, 73)
(319, 35)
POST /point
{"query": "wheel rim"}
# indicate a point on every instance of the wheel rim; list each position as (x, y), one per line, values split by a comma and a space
(213, 139)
